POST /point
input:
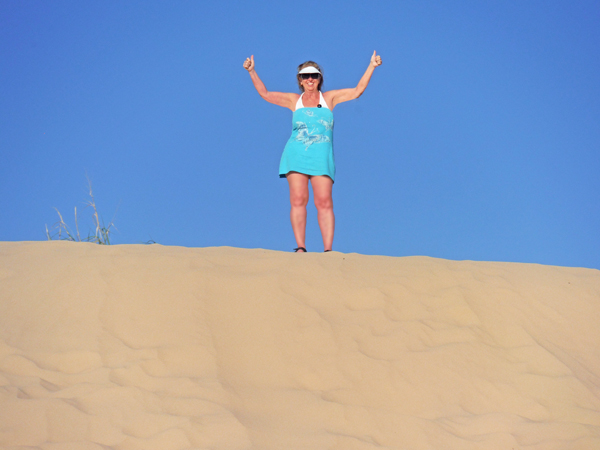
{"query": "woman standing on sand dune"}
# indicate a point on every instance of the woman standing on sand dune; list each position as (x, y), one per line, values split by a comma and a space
(308, 154)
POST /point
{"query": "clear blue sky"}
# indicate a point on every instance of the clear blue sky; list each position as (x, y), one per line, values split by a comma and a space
(478, 138)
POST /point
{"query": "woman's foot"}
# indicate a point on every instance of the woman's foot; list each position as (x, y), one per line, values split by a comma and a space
(300, 249)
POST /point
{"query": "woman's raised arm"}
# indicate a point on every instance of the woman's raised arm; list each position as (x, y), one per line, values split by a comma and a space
(287, 100)
(343, 95)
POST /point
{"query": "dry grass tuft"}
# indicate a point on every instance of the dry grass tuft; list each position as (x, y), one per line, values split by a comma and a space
(61, 231)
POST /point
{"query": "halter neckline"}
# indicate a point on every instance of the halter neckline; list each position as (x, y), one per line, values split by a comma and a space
(322, 102)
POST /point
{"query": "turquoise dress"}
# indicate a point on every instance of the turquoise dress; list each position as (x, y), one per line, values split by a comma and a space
(310, 147)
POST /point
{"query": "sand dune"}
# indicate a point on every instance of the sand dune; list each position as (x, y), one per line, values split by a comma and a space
(152, 347)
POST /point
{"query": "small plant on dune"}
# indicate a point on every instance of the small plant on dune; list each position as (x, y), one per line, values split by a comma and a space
(61, 231)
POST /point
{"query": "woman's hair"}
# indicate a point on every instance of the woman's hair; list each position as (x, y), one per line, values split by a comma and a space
(307, 64)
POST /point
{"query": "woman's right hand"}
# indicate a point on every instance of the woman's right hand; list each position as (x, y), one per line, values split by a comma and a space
(249, 64)
(375, 59)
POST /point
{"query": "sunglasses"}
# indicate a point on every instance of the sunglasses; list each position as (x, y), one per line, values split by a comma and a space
(306, 76)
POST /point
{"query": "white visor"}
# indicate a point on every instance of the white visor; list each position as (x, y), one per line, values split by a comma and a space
(309, 69)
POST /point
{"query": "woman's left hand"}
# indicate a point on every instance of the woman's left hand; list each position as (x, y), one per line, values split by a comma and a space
(249, 64)
(375, 59)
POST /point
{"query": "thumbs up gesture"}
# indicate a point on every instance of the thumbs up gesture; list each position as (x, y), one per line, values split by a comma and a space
(375, 59)
(249, 63)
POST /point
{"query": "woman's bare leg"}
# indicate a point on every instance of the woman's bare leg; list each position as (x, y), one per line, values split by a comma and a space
(322, 187)
(298, 199)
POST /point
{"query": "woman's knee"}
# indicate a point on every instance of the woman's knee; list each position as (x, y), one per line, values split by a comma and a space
(323, 203)
(299, 200)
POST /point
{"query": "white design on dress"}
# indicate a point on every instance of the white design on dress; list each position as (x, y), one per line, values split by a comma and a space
(328, 125)
(307, 137)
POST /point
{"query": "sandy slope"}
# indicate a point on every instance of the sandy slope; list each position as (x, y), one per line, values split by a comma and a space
(151, 347)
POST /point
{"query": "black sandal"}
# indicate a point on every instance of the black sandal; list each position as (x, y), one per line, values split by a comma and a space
(327, 251)
(300, 248)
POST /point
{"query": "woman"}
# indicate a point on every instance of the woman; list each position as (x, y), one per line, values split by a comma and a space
(308, 155)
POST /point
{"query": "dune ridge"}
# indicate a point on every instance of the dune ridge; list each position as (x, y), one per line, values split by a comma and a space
(153, 347)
